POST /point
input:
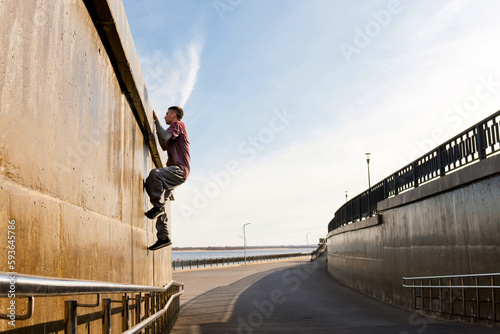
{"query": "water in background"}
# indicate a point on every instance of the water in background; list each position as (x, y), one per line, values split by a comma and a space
(194, 255)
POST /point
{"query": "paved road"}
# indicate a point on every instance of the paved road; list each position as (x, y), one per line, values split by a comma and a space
(293, 296)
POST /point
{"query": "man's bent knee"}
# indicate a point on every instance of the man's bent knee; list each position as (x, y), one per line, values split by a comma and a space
(153, 173)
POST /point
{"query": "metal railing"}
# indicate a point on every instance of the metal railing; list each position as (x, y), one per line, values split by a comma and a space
(478, 142)
(318, 251)
(473, 297)
(157, 316)
(214, 262)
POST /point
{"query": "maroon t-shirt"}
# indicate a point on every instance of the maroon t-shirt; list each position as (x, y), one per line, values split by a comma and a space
(178, 148)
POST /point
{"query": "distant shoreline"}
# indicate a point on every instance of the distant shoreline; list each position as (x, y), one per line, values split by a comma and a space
(235, 248)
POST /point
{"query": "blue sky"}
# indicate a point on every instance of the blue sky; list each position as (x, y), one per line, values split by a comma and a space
(282, 98)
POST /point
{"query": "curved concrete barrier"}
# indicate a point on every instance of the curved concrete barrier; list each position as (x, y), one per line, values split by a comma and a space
(446, 227)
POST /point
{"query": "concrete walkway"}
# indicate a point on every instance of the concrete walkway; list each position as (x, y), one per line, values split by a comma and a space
(293, 296)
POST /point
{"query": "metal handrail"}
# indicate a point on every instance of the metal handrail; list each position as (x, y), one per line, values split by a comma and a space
(452, 276)
(31, 286)
(40, 286)
(430, 278)
(202, 263)
(442, 294)
(143, 324)
(454, 286)
(318, 251)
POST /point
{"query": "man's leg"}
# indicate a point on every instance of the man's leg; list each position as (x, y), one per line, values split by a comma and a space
(162, 227)
(162, 234)
(159, 184)
(160, 180)
(155, 187)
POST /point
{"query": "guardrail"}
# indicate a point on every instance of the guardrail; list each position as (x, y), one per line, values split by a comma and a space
(478, 142)
(214, 262)
(474, 296)
(318, 251)
(157, 316)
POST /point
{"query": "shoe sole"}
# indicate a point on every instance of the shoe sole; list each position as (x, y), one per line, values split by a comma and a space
(160, 247)
(156, 216)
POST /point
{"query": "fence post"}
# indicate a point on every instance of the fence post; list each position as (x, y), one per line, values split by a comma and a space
(70, 316)
(480, 141)
(137, 308)
(153, 311)
(414, 167)
(440, 159)
(125, 313)
(106, 315)
(369, 203)
(147, 310)
(395, 184)
(385, 189)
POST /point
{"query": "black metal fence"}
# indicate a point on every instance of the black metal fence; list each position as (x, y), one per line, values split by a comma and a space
(202, 263)
(478, 142)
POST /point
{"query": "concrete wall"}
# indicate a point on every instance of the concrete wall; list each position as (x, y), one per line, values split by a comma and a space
(447, 227)
(73, 153)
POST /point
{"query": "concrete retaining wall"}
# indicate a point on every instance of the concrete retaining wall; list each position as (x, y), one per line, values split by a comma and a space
(74, 150)
(447, 227)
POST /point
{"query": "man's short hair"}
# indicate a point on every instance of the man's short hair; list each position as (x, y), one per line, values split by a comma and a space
(178, 111)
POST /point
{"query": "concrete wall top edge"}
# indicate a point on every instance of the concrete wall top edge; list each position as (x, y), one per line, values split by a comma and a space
(131, 67)
(372, 221)
(123, 28)
(483, 169)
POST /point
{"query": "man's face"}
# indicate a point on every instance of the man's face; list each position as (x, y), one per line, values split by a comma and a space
(170, 117)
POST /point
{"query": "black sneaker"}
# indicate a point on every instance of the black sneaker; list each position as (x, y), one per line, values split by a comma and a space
(160, 244)
(155, 212)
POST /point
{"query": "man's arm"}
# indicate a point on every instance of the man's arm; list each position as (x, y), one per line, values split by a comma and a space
(162, 134)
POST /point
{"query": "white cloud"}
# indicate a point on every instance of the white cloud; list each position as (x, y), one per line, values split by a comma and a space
(171, 78)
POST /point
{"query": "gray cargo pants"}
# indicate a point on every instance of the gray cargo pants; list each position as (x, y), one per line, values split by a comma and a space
(159, 185)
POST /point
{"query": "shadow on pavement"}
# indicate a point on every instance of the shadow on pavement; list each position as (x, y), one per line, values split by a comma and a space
(303, 299)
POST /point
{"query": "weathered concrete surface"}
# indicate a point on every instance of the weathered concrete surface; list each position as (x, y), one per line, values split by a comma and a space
(451, 229)
(72, 155)
(292, 297)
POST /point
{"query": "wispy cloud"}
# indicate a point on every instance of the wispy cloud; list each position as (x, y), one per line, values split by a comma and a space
(171, 78)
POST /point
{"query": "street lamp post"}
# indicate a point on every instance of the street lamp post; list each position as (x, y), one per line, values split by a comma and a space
(345, 206)
(245, 242)
(307, 240)
(369, 185)
(368, 164)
